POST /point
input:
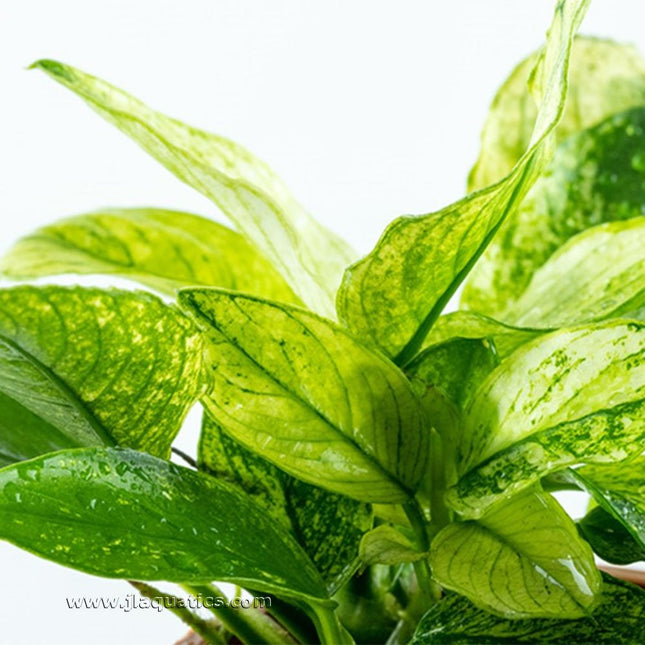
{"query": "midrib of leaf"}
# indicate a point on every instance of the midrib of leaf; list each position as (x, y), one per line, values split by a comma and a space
(347, 438)
(411, 349)
(65, 389)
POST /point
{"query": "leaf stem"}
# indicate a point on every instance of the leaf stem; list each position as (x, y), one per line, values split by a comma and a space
(249, 625)
(330, 631)
(421, 567)
(206, 629)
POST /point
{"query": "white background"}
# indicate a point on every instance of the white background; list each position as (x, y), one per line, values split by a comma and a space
(368, 109)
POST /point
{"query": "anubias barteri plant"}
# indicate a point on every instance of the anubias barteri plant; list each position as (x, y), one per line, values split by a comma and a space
(382, 471)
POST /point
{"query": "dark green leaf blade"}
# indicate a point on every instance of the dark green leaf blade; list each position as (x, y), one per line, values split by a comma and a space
(420, 261)
(523, 559)
(327, 526)
(609, 539)
(165, 250)
(304, 394)
(570, 397)
(604, 78)
(619, 488)
(618, 619)
(595, 176)
(118, 513)
(310, 257)
(98, 366)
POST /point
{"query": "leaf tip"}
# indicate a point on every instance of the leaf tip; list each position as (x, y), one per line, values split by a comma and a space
(53, 68)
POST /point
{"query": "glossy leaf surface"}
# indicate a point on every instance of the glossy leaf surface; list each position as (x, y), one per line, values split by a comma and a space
(122, 514)
(522, 559)
(617, 619)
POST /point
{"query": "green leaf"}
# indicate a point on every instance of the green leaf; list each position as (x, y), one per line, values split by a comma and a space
(420, 261)
(310, 257)
(605, 277)
(620, 489)
(505, 338)
(609, 538)
(327, 526)
(85, 366)
(386, 545)
(570, 397)
(617, 619)
(304, 394)
(122, 514)
(162, 249)
(38, 412)
(596, 176)
(523, 559)
(604, 78)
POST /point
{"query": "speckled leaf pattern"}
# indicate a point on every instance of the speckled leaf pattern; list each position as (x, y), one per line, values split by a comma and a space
(118, 513)
(386, 545)
(124, 363)
(392, 297)
(310, 257)
(596, 176)
(301, 392)
(605, 277)
(573, 396)
(523, 559)
(604, 78)
(327, 526)
(620, 489)
(38, 412)
(162, 249)
(609, 539)
(618, 619)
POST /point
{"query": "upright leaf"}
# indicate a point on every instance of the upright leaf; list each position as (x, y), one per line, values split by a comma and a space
(162, 249)
(596, 176)
(523, 559)
(619, 489)
(123, 514)
(573, 396)
(392, 297)
(85, 366)
(605, 277)
(604, 78)
(310, 257)
(609, 539)
(327, 526)
(301, 392)
(617, 620)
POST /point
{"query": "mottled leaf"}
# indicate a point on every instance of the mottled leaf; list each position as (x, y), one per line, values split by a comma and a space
(596, 176)
(619, 488)
(392, 297)
(523, 559)
(386, 545)
(38, 412)
(162, 249)
(304, 394)
(605, 277)
(609, 539)
(618, 619)
(573, 396)
(83, 365)
(604, 78)
(327, 526)
(122, 514)
(310, 257)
